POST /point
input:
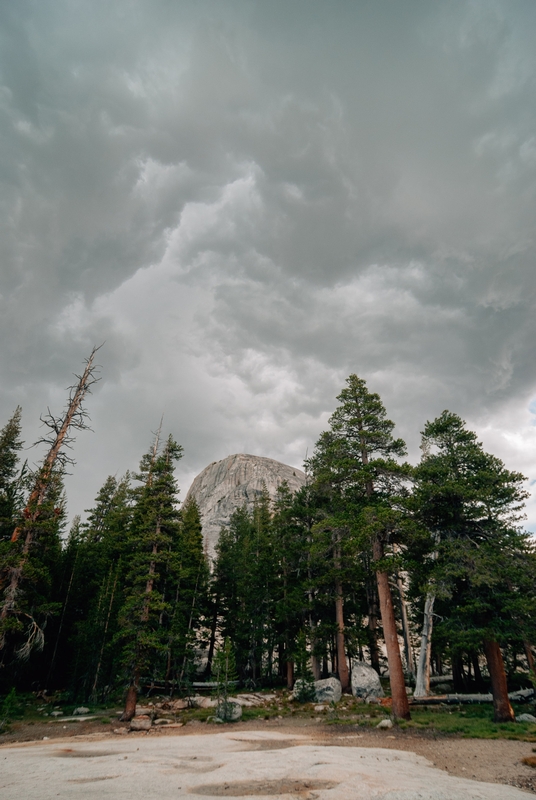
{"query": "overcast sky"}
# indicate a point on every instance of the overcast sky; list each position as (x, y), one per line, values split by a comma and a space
(250, 200)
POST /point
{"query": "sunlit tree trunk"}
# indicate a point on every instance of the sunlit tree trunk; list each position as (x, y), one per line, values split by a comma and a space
(503, 711)
(400, 704)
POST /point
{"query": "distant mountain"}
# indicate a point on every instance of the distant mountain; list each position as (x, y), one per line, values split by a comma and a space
(226, 485)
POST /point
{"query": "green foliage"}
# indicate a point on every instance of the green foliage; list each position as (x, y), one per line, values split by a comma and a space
(9, 709)
(226, 678)
(304, 690)
(11, 479)
(478, 563)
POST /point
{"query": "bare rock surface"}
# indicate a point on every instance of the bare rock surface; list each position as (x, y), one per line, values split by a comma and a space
(231, 764)
(226, 485)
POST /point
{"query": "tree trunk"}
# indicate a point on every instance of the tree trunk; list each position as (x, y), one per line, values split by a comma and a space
(342, 666)
(290, 674)
(503, 711)
(410, 659)
(130, 703)
(373, 630)
(400, 705)
(476, 670)
(530, 657)
(422, 683)
(212, 642)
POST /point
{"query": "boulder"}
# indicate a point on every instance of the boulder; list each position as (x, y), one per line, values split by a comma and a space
(204, 702)
(81, 710)
(142, 723)
(328, 690)
(526, 718)
(228, 711)
(365, 682)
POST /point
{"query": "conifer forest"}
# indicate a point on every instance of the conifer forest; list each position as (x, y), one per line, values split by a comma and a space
(417, 569)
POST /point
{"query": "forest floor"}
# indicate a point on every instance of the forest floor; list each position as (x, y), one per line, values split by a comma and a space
(462, 742)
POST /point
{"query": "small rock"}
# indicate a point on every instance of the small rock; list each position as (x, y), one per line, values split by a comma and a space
(81, 710)
(178, 705)
(175, 724)
(46, 738)
(142, 723)
(144, 710)
(328, 690)
(385, 724)
(320, 708)
(57, 714)
(121, 731)
(162, 721)
(525, 718)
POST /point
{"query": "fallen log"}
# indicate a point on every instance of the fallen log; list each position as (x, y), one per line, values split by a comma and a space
(466, 699)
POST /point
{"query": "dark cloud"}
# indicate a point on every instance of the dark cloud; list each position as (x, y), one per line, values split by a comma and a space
(249, 200)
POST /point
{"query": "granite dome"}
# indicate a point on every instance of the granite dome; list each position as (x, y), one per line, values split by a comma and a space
(226, 485)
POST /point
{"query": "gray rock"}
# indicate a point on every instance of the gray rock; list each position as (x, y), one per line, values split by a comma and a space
(442, 688)
(328, 690)
(526, 718)
(226, 485)
(204, 702)
(229, 711)
(142, 723)
(385, 724)
(81, 710)
(365, 682)
(57, 714)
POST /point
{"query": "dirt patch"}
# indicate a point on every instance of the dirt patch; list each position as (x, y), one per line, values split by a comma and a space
(262, 788)
(267, 744)
(68, 752)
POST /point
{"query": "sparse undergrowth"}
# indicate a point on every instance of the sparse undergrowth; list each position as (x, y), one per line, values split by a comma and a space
(457, 721)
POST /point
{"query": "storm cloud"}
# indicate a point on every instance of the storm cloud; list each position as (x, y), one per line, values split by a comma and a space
(248, 201)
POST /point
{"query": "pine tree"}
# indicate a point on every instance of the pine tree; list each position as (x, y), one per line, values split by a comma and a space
(10, 477)
(96, 555)
(154, 529)
(357, 462)
(186, 592)
(483, 564)
(36, 534)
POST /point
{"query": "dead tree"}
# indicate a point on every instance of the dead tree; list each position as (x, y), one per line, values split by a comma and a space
(60, 440)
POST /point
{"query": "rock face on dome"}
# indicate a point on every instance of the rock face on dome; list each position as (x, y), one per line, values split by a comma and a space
(226, 485)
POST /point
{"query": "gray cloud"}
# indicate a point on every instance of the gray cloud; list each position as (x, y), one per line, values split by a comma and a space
(248, 201)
